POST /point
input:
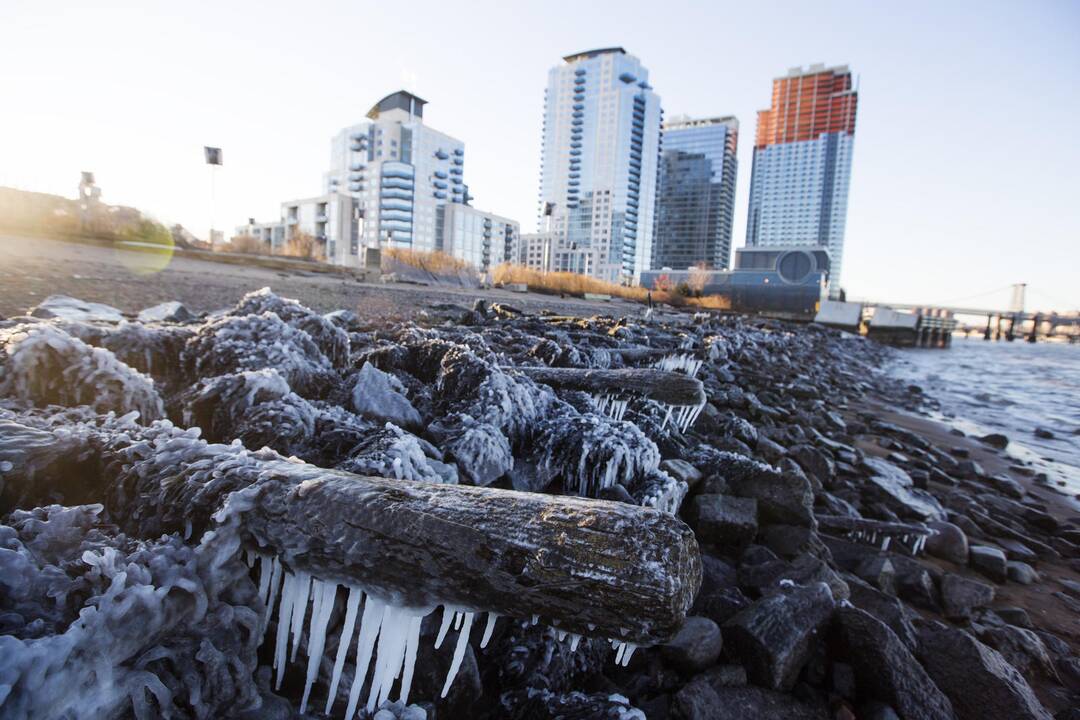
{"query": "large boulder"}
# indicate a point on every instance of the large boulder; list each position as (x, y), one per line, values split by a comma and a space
(886, 670)
(977, 679)
(781, 498)
(890, 485)
(774, 637)
(990, 561)
(695, 647)
(947, 542)
(724, 519)
(961, 595)
(885, 608)
(380, 396)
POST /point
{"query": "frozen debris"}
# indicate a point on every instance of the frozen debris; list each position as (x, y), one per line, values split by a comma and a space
(480, 450)
(255, 342)
(173, 312)
(44, 365)
(331, 340)
(682, 362)
(381, 396)
(659, 490)
(393, 453)
(63, 307)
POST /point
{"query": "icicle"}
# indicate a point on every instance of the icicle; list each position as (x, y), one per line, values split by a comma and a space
(288, 597)
(299, 610)
(667, 417)
(276, 569)
(411, 644)
(535, 619)
(249, 557)
(392, 639)
(561, 635)
(488, 629)
(370, 623)
(458, 618)
(264, 577)
(574, 640)
(447, 616)
(325, 593)
(459, 653)
(620, 648)
(885, 543)
(351, 606)
(630, 648)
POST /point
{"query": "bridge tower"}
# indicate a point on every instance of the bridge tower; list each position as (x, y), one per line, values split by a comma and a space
(1019, 290)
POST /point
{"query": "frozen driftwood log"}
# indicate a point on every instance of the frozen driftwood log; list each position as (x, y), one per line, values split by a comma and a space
(666, 387)
(591, 567)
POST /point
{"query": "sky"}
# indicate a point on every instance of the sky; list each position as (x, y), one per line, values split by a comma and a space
(966, 170)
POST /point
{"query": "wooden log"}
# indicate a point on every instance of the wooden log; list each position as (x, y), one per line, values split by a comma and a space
(660, 385)
(591, 567)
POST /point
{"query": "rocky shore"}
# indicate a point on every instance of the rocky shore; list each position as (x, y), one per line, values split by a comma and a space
(841, 556)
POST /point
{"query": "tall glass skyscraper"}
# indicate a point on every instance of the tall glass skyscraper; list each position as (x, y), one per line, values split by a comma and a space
(401, 172)
(802, 163)
(696, 194)
(599, 166)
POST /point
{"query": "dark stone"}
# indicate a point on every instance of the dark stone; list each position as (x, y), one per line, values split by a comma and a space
(1043, 433)
(773, 637)
(682, 470)
(990, 561)
(970, 469)
(781, 498)
(1022, 649)
(977, 679)
(695, 647)
(885, 608)
(1021, 572)
(892, 486)
(1015, 616)
(814, 461)
(769, 450)
(947, 542)
(743, 703)
(995, 440)
(1006, 485)
(740, 429)
(885, 667)
(791, 540)
(916, 585)
(1016, 550)
(723, 519)
(617, 493)
(726, 676)
(960, 596)
(696, 701)
(765, 578)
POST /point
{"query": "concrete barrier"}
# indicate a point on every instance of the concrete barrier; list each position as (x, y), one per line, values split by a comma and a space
(843, 315)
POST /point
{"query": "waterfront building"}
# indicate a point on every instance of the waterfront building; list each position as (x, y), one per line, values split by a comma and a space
(482, 239)
(535, 250)
(333, 220)
(601, 146)
(696, 194)
(802, 163)
(401, 173)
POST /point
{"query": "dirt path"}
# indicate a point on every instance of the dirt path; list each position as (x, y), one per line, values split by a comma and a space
(31, 269)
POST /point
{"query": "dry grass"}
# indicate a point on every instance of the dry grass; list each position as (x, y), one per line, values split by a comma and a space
(435, 262)
(576, 284)
(304, 246)
(246, 244)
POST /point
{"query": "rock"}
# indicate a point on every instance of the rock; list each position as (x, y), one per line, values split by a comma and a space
(765, 578)
(1022, 649)
(895, 488)
(1006, 486)
(885, 608)
(814, 461)
(995, 440)
(381, 396)
(977, 679)
(879, 571)
(773, 638)
(1016, 550)
(68, 308)
(682, 470)
(877, 711)
(960, 596)
(885, 667)
(990, 561)
(740, 429)
(1014, 616)
(726, 676)
(916, 585)
(970, 469)
(695, 647)
(723, 519)
(743, 703)
(1021, 572)
(771, 451)
(781, 498)
(947, 542)
(792, 540)
(166, 312)
(696, 701)
(617, 493)
(1043, 433)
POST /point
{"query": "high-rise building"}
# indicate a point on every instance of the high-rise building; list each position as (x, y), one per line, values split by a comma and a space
(598, 177)
(802, 163)
(401, 172)
(696, 195)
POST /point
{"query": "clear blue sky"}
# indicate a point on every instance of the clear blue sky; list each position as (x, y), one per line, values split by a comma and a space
(966, 174)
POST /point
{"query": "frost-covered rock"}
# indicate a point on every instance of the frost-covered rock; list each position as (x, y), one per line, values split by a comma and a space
(393, 453)
(332, 341)
(41, 364)
(479, 449)
(68, 308)
(381, 396)
(172, 311)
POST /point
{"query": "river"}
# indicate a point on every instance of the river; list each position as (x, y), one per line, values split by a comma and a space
(1009, 388)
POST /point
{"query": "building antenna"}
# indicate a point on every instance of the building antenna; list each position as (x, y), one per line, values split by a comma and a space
(214, 160)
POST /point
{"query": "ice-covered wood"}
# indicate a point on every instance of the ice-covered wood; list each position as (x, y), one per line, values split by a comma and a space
(663, 386)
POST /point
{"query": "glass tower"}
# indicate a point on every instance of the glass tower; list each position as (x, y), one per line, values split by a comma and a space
(599, 166)
(696, 195)
(802, 163)
(401, 172)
